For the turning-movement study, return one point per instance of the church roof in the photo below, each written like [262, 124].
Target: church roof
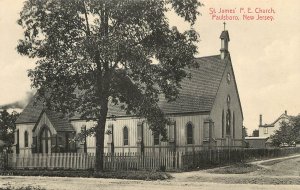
[31, 112]
[34, 110]
[59, 122]
[197, 94]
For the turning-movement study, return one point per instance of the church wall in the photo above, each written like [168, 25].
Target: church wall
[132, 124]
[22, 128]
[181, 122]
[221, 105]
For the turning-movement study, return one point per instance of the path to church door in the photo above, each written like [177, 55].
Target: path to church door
[45, 141]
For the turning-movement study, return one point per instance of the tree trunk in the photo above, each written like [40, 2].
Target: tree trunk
[103, 85]
[100, 131]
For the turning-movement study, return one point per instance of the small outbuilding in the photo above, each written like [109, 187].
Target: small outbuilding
[257, 142]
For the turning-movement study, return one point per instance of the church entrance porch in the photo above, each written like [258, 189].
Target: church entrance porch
[45, 140]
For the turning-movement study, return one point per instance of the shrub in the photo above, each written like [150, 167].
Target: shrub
[137, 175]
[9, 187]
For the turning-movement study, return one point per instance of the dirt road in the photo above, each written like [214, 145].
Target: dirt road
[277, 175]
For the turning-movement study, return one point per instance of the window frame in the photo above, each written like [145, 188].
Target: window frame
[223, 124]
[228, 122]
[189, 133]
[156, 139]
[125, 136]
[26, 138]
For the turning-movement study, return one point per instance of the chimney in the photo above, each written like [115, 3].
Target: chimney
[224, 43]
[260, 120]
[285, 112]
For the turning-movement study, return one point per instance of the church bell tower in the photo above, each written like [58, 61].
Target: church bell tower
[224, 43]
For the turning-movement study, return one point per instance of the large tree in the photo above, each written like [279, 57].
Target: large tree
[91, 53]
[288, 133]
[7, 126]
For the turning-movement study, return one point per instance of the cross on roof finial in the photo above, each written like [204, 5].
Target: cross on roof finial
[224, 25]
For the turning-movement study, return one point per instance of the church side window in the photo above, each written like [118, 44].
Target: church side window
[266, 130]
[125, 135]
[189, 132]
[18, 144]
[233, 125]
[223, 126]
[156, 138]
[228, 122]
[26, 139]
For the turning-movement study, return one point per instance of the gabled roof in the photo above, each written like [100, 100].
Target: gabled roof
[31, 112]
[34, 111]
[282, 116]
[197, 94]
[59, 121]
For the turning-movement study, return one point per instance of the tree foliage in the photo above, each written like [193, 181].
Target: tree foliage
[7, 126]
[93, 53]
[288, 133]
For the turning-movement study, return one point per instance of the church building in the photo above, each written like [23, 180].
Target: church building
[207, 114]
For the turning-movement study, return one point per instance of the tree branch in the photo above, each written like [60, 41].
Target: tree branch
[86, 19]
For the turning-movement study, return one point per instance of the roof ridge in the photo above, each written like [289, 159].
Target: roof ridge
[207, 56]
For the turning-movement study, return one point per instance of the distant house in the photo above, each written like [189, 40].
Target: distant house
[261, 137]
[208, 112]
[266, 130]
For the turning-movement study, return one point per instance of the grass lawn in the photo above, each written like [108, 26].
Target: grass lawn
[9, 187]
[239, 168]
[134, 175]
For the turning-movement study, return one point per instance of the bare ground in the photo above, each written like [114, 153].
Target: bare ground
[277, 174]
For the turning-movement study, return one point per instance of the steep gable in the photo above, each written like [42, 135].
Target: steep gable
[282, 117]
[227, 102]
[34, 111]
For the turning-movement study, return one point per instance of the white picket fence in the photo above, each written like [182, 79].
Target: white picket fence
[148, 161]
[52, 161]
[113, 162]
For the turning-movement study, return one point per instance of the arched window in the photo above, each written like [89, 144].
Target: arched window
[228, 100]
[228, 122]
[189, 134]
[45, 140]
[18, 143]
[156, 138]
[233, 125]
[125, 136]
[26, 139]
[223, 126]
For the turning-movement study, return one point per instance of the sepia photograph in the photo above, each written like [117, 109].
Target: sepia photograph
[149, 94]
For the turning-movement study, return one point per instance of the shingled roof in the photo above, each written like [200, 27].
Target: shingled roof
[59, 122]
[197, 94]
[33, 111]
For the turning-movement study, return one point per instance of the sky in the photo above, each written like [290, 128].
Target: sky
[265, 54]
